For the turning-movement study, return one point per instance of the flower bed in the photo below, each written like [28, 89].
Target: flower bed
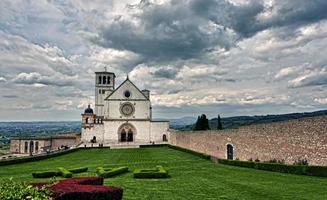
[83, 188]
[158, 172]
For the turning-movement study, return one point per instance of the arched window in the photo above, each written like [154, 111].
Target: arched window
[87, 120]
[230, 152]
[108, 80]
[104, 80]
[100, 81]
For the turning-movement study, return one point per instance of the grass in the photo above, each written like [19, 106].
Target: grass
[191, 177]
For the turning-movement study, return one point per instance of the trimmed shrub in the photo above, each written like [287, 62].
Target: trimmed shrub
[278, 167]
[158, 172]
[84, 188]
[36, 157]
[316, 171]
[47, 174]
[202, 155]
[110, 172]
[78, 170]
[247, 164]
[275, 167]
[65, 173]
[152, 145]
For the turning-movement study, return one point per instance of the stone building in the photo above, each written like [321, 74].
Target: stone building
[123, 115]
[36, 145]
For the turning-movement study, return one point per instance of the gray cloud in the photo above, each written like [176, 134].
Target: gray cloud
[188, 29]
[167, 72]
[249, 57]
[36, 78]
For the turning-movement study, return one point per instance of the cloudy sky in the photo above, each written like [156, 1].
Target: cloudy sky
[234, 57]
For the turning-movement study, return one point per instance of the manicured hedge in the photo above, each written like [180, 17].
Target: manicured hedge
[277, 167]
[152, 145]
[158, 172]
[247, 164]
[316, 171]
[110, 172]
[36, 157]
[202, 155]
[47, 174]
[78, 170]
[65, 173]
[83, 188]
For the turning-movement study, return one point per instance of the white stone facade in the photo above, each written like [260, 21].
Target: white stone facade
[124, 113]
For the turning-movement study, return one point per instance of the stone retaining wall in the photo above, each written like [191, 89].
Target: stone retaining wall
[289, 141]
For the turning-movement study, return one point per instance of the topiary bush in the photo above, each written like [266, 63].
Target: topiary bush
[110, 172]
[158, 172]
[78, 170]
[65, 173]
[47, 174]
[84, 188]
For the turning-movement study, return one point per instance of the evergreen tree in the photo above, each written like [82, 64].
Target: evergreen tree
[219, 125]
[202, 123]
[197, 124]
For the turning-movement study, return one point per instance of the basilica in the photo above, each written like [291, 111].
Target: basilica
[122, 115]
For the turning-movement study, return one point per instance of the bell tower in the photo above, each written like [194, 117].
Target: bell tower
[104, 85]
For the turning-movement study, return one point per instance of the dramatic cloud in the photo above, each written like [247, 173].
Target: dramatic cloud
[234, 57]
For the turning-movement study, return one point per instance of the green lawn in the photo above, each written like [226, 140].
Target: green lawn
[191, 176]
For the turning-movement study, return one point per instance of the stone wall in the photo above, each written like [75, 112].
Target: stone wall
[289, 141]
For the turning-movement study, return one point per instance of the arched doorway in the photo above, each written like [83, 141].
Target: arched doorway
[126, 133]
[164, 138]
[31, 147]
[230, 152]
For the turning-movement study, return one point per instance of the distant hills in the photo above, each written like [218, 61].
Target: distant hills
[235, 122]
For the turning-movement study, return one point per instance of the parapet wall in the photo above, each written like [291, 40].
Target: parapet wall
[289, 141]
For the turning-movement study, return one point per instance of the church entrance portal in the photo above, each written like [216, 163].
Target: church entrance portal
[126, 133]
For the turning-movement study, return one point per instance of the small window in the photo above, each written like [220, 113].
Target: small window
[104, 80]
[87, 120]
[100, 80]
[103, 91]
[127, 94]
[108, 80]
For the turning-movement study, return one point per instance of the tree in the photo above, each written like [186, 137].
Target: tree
[219, 125]
[202, 123]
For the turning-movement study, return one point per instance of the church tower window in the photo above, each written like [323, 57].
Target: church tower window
[100, 81]
[104, 80]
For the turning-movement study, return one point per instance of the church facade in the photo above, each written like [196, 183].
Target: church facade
[122, 115]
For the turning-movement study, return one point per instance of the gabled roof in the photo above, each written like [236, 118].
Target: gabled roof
[123, 83]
